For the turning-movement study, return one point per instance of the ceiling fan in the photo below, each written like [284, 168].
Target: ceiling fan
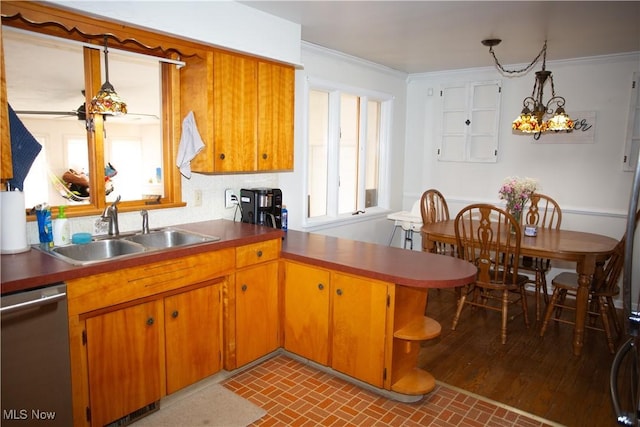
[81, 113]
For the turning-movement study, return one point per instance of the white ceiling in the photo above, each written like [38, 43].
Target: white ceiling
[423, 36]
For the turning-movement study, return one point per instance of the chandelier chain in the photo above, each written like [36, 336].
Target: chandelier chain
[523, 70]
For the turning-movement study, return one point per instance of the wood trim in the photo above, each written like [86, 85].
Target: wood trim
[6, 165]
[61, 22]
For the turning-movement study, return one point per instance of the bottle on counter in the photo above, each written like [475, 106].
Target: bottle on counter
[45, 231]
[61, 230]
[285, 218]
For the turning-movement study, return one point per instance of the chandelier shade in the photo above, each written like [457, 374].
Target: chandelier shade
[537, 115]
[107, 101]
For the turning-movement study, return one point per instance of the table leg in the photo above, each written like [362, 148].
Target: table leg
[585, 269]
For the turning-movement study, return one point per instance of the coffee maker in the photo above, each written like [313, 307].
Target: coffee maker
[262, 206]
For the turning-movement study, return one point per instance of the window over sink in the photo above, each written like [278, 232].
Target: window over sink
[51, 74]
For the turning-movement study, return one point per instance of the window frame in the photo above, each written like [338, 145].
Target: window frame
[632, 141]
[386, 122]
[69, 25]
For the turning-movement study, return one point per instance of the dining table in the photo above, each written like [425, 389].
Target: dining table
[588, 250]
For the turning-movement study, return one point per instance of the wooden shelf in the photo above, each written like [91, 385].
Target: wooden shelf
[415, 382]
[421, 329]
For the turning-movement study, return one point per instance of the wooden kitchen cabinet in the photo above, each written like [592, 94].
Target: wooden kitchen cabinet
[306, 311]
[112, 352]
[243, 108]
[339, 320]
[256, 312]
[193, 335]
[359, 327]
[255, 328]
[125, 361]
[276, 84]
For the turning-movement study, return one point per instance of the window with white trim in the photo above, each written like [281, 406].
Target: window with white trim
[347, 136]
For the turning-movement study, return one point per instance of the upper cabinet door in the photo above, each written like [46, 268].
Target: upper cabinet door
[244, 112]
[275, 116]
[469, 122]
[235, 104]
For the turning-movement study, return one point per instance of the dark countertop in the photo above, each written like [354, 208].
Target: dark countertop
[390, 264]
[35, 268]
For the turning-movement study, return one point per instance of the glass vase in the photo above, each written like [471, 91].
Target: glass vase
[516, 215]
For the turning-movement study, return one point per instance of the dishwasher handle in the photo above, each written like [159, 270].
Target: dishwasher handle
[45, 300]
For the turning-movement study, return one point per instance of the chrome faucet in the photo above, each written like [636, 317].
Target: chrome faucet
[145, 221]
[110, 214]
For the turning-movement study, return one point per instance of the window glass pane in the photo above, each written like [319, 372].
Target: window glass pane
[45, 80]
[133, 142]
[348, 153]
[372, 154]
[34, 192]
[45, 84]
[318, 152]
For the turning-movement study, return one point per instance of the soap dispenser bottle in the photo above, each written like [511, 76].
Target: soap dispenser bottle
[61, 230]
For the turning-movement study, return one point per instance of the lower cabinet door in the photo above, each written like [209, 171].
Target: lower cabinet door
[306, 312]
[193, 336]
[359, 325]
[256, 312]
[124, 361]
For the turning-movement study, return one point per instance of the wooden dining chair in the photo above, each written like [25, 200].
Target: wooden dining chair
[485, 238]
[544, 212]
[434, 208]
[601, 293]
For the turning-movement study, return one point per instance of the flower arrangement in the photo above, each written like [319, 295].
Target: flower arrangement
[516, 191]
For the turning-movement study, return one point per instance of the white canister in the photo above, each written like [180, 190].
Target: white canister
[13, 221]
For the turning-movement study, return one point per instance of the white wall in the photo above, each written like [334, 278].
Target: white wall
[587, 180]
[221, 23]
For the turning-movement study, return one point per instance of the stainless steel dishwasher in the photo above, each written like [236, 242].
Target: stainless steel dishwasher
[36, 371]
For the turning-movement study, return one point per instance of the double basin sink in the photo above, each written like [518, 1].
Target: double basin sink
[116, 247]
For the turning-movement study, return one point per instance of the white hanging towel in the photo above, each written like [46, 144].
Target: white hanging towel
[190, 145]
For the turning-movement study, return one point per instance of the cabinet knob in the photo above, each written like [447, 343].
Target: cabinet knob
[259, 253]
[339, 291]
[222, 156]
[150, 321]
[244, 288]
[174, 314]
[320, 286]
[264, 156]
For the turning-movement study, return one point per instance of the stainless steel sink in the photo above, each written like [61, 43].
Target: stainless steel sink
[170, 238]
[107, 248]
[96, 251]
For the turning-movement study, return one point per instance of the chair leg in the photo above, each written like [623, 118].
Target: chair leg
[549, 312]
[605, 322]
[505, 307]
[461, 301]
[614, 316]
[524, 306]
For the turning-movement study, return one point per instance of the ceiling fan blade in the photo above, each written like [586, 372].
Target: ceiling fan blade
[48, 113]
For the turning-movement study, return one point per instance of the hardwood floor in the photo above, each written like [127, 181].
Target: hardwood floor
[536, 374]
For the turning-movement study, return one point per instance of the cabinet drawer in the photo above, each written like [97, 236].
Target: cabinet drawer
[103, 290]
[257, 252]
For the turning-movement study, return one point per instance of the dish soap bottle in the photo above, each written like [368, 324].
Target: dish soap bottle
[61, 230]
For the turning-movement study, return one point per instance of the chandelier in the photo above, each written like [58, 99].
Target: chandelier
[107, 100]
[537, 116]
